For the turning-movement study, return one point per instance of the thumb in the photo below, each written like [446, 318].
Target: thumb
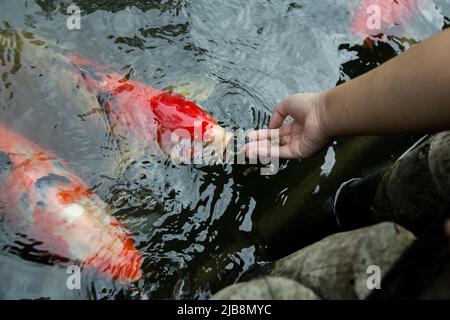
[279, 114]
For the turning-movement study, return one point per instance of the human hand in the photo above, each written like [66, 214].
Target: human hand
[301, 138]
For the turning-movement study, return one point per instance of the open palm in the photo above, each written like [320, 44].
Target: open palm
[301, 138]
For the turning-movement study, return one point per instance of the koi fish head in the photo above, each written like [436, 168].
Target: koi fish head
[176, 115]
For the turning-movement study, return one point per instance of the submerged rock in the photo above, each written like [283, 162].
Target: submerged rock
[411, 192]
[267, 288]
[337, 266]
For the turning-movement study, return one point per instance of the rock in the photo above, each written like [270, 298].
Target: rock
[423, 271]
[336, 267]
[411, 192]
[267, 288]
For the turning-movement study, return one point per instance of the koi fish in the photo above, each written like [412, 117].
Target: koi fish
[145, 113]
[374, 18]
[40, 195]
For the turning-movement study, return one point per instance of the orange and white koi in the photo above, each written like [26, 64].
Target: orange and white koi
[54, 207]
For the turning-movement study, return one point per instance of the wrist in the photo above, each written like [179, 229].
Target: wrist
[322, 114]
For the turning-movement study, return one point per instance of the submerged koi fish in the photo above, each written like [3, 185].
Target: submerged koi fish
[147, 114]
[56, 208]
[374, 18]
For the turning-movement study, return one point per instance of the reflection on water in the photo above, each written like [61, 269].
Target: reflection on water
[196, 226]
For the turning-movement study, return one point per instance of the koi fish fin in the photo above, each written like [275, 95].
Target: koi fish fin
[10, 50]
[193, 90]
[88, 63]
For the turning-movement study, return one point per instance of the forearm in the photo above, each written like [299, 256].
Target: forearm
[410, 93]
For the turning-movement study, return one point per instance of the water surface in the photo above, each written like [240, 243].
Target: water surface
[194, 225]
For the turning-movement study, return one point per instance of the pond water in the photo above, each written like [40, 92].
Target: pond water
[198, 228]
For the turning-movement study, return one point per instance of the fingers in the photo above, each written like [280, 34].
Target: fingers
[279, 114]
[265, 149]
[267, 134]
[258, 149]
[262, 134]
[270, 143]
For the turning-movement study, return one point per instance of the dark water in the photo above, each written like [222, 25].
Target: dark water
[198, 228]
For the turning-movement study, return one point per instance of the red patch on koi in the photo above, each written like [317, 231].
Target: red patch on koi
[127, 87]
[174, 112]
[68, 196]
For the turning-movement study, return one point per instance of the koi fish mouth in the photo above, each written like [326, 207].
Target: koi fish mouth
[217, 138]
[209, 149]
